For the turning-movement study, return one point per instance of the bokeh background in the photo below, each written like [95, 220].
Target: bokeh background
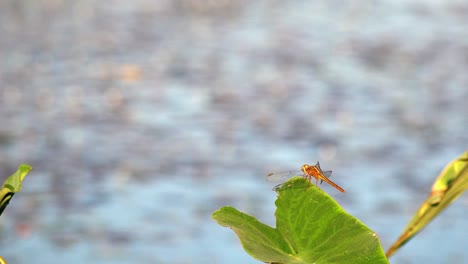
[142, 117]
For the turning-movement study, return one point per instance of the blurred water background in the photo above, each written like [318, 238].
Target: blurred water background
[142, 117]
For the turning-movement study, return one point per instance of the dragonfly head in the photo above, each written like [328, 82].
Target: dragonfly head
[305, 168]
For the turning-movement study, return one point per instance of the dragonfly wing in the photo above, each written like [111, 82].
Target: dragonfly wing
[282, 176]
[318, 166]
[326, 174]
[274, 188]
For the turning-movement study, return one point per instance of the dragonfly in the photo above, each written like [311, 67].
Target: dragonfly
[307, 171]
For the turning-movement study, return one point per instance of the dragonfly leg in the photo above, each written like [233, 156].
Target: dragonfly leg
[307, 177]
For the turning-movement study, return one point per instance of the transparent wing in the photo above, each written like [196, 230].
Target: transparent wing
[326, 174]
[282, 176]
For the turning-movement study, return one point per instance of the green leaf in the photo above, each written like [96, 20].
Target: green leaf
[12, 185]
[450, 184]
[259, 240]
[311, 228]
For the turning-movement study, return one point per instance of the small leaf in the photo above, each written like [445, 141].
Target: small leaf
[311, 228]
[12, 185]
[450, 184]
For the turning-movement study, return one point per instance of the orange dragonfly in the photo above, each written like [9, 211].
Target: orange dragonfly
[307, 172]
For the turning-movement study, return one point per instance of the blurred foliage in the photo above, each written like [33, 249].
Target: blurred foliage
[450, 184]
[12, 185]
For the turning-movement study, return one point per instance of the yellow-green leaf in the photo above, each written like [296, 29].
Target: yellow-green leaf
[12, 185]
[450, 184]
